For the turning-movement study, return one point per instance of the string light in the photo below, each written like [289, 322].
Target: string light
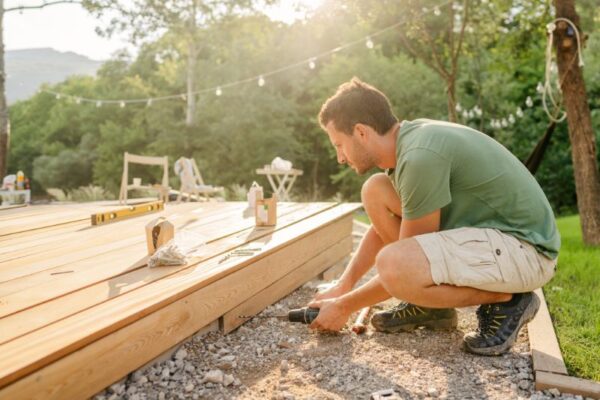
[78, 100]
[458, 108]
[519, 112]
[260, 79]
[540, 87]
[98, 104]
[529, 102]
[437, 12]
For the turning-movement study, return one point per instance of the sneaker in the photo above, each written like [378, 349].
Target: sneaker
[405, 317]
[499, 324]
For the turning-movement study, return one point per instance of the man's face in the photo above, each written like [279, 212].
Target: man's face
[350, 149]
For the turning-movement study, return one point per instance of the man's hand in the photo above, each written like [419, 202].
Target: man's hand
[333, 315]
[337, 290]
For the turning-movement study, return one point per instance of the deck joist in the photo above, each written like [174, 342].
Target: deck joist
[80, 309]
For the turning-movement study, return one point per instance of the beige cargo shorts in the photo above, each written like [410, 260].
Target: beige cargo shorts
[486, 259]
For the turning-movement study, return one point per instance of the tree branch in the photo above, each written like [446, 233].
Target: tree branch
[440, 65]
[420, 55]
[45, 4]
[461, 36]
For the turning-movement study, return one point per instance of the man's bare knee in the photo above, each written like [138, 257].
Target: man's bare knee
[403, 268]
[374, 187]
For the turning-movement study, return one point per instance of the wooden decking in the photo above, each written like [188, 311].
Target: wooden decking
[79, 308]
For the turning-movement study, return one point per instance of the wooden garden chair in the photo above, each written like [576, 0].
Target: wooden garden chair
[191, 180]
[162, 189]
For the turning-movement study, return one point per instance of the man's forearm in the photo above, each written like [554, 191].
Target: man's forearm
[363, 259]
[369, 294]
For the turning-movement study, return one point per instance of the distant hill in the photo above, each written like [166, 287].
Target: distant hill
[28, 69]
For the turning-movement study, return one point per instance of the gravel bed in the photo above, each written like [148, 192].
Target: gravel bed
[272, 359]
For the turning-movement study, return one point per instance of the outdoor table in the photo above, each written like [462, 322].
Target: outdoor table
[281, 180]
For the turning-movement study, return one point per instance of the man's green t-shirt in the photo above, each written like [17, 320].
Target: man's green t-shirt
[474, 180]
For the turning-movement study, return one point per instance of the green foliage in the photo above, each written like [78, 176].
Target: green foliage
[81, 194]
[64, 144]
[574, 308]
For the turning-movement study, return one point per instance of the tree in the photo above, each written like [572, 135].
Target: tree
[583, 145]
[183, 18]
[4, 118]
[430, 32]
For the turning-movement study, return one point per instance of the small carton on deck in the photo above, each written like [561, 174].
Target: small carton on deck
[266, 212]
[158, 232]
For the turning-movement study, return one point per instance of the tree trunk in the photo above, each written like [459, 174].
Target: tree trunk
[190, 112]
[583, 144]
[451, 98]
[4, 125]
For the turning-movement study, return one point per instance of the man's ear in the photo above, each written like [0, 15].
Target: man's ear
[362, 131]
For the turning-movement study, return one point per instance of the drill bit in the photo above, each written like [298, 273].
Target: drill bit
[283, 317]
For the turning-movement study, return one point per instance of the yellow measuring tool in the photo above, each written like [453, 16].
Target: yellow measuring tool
[127, 212]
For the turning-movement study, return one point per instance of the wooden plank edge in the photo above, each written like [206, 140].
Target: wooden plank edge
[286, 285]
[2, 208]
[567, 384]
[545, 350]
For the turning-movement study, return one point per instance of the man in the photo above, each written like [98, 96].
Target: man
[457, 221]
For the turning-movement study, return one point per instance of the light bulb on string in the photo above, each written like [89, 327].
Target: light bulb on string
[149, 103]
[529, 102]
[122, 104]
[504, 123]
[183, 97]
[369, 43]
[261, 81]
[312, 64]
[519, 112]
[57, 96]
[511, 119]
[465, 114]
[218, 92]
[540, 88]
[478, 111]
[98, 104]
[458, 108]
[77, 100]
[436, 11]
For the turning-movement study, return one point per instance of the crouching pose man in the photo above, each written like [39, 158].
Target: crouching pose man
[457, 221]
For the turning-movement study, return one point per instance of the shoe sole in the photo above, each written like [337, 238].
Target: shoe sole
[500, 349]
[440, 324]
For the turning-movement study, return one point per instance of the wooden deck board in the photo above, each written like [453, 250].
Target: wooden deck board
[40, 333]
[89, 271]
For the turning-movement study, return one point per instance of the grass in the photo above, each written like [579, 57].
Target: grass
[573, 297]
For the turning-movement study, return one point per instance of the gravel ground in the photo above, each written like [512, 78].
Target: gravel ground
[272, 359]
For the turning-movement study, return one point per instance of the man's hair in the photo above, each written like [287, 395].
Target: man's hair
[356, 102]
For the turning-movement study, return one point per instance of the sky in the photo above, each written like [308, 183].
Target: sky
[68, 27]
